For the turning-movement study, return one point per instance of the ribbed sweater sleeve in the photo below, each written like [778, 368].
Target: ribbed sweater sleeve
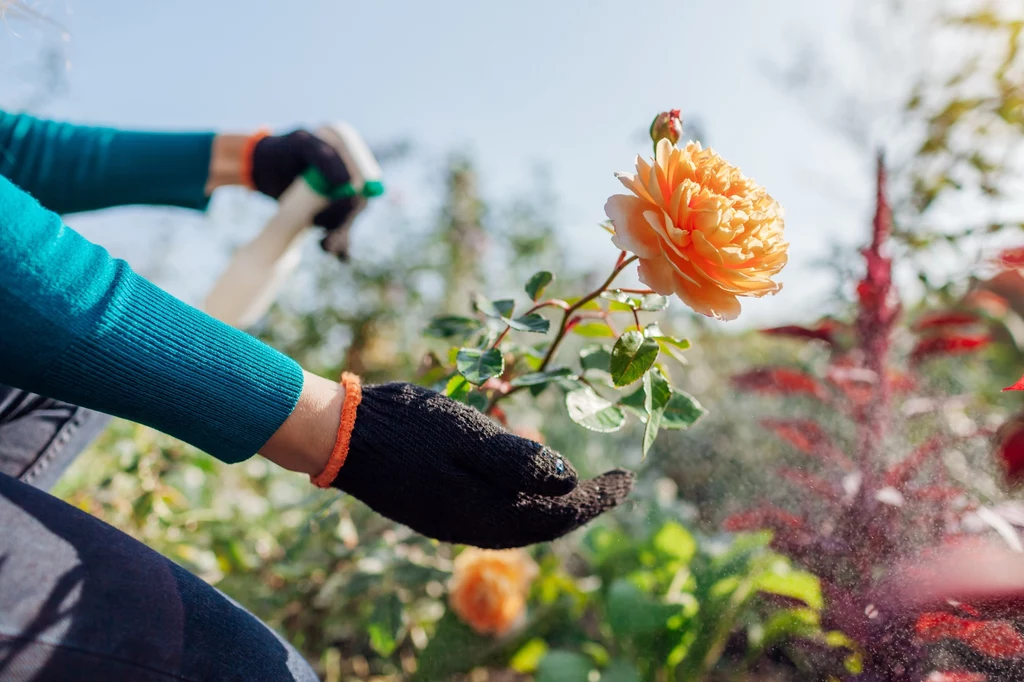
[71, 168]
[80, 326]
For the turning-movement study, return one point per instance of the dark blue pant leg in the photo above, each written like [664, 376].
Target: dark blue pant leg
[80, 600]
[40, 437]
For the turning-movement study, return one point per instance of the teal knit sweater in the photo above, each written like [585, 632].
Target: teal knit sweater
[82, 327]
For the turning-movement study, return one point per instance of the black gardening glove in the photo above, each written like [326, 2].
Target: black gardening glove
[450, 473]
[278, 159]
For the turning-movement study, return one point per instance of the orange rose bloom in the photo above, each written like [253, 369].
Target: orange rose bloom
[488, 588]
[702, 230]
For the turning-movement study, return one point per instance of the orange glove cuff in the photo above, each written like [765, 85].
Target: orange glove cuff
[247, 151]
[353, 396]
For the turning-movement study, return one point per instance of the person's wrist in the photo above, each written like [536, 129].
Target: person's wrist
[304, 442]
[226, 161]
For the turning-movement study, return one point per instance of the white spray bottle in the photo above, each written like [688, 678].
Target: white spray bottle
[248, 286]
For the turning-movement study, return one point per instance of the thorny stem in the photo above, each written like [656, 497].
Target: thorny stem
[620, 265]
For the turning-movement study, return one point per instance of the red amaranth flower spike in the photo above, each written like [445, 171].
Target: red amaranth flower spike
[1019, 386]
[1010, 449]
[996, 638]
[763, 517]
[779, 380]
[807, 436]
[814, 484]
[949, 344]
[825, 330]
[946, 318]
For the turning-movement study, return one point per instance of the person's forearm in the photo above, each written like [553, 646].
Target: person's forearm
[306, 438]
[226, 161]
[71, 168]
[81, 327]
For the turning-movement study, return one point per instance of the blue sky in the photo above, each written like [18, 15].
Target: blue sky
[568, 84]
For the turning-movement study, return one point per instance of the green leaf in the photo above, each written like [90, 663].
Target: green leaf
[788, 624]
[538, 283]
[592, 304]
[617, 295]
[675, 541]
[477, 400]
[541, 378]
[620, 670]
[631, 612]
[479, 365]
[457, 388]
[563, 666]
[674, 347]
[657, 394]
[529, 656]
[653, 331]
[595, 356]
[669, 344]
[496, 309]
[631, 357]
[593, 412]
[653, 302]
[682, 411]
[454, 648]
[598, 654]
[593, 330]
[792, 583]
[451, 326]
[529, 323]
[635, 402]
[384, 625]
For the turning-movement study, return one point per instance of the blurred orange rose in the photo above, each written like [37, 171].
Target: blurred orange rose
[702, 230]
[488, 588]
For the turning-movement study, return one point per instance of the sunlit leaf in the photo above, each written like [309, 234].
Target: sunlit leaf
[620, 670]
[385, 624]
[657, 394]
[538, 283]
[595, 357]
[529, 656]
[529, 323]
[458, 388]
[653, 302]
[632, 355]
[592, 304]
[591, 411]
[793, 584]
[593, 330]
[479, 365]
[675, 541]
[541, 378]
[653, 331]
[452, 326]
[563, 666]
[632, 613]
[682, 411]
[616, 295]
[477, 400]
[495, 309]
